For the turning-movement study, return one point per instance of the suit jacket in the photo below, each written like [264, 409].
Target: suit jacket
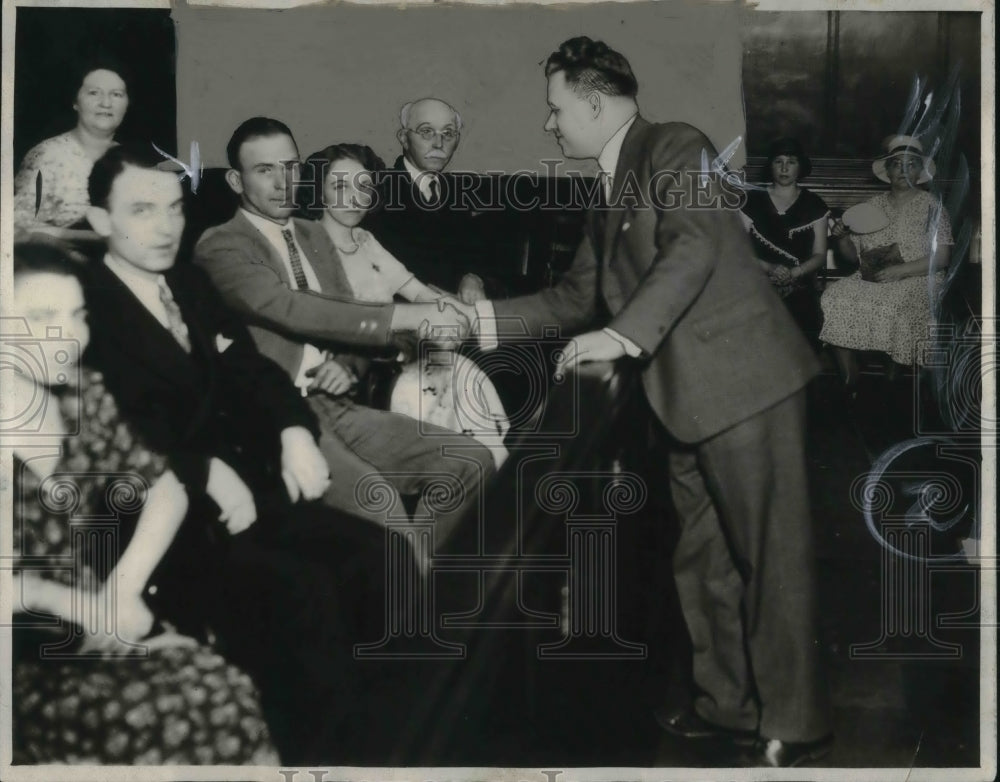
[223, 399]
[253, 281]
[440, 243]
[680, 281]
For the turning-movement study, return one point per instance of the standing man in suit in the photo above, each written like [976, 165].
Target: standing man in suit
[422, 219]
[280, 580]
[665, 278]
[282, 276]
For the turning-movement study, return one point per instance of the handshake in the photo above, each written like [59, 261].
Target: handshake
[445, 322]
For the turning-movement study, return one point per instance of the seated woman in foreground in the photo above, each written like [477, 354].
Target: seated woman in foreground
[902, 242]
[443, 387]
[90, 684]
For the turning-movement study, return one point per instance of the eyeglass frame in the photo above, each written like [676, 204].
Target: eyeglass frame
[428, 134]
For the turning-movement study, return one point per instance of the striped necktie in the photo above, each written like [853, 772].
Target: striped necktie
[301, 283]
[175, 322]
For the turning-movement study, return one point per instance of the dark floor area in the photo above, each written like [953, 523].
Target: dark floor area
[904, 672]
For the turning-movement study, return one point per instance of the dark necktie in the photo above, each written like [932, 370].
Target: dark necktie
[298, 272]
[175, 322]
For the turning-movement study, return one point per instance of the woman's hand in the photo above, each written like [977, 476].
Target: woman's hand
[893, 273]
[780, 275]
[130, 620]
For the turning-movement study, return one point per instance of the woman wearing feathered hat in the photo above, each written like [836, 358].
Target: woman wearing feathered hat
[898, 238]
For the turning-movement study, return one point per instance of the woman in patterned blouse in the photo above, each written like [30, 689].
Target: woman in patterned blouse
[90, 682]
[50, 190]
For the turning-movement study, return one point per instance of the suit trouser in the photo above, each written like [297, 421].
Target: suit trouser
[412, 458]
[745, 571]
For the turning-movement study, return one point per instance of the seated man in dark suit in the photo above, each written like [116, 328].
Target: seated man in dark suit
[424, 218]
[281, 275]
[240, 438]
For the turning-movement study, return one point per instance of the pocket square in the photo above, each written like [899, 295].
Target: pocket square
[222, 343]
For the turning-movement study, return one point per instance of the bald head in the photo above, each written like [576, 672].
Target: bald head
[429, 133]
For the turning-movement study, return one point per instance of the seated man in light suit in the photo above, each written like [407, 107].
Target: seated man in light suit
[282, 276]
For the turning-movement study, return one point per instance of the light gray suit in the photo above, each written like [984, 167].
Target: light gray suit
[357, 441]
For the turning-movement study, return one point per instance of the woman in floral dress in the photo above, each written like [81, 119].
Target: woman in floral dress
[887, 305]
[96, 679]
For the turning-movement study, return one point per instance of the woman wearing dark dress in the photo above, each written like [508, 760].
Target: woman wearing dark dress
[788, 227]
[93, 682]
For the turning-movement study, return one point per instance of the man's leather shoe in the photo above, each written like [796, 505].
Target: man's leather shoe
[688, 724]
[784, 754]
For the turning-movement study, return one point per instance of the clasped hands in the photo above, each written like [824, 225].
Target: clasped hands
[588, 347]
[446, 322]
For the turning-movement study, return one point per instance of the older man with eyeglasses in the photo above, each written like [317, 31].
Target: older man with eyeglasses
[425, 218]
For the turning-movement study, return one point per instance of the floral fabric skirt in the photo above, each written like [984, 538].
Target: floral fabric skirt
[181, 705]
[891, 317]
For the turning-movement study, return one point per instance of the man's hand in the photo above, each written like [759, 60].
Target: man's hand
[467, 310]
[471, 289]
[446, 327]
[231, 494]
[303, 466]
[332, 377]
[592, 346]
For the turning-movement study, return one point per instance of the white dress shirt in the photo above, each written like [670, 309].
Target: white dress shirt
[422, 179]
[312, 356]
[608, 162]
[144, 287]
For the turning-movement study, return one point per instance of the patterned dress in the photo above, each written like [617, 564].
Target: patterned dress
[890, 317]
[786, 238]
[52, 176]
[179, 705]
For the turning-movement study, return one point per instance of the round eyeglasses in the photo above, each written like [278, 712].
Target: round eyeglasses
[428, 134]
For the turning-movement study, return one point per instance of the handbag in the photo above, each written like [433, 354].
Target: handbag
[878, 258]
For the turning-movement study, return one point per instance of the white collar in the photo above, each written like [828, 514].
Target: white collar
[269, 228]
[145, 288]
[422, 179]
[424, 176]
[608, 159]
[132, 278]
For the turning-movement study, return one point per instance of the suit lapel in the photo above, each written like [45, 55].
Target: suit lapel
[267, 252]
[628, 163]
[141, 336]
